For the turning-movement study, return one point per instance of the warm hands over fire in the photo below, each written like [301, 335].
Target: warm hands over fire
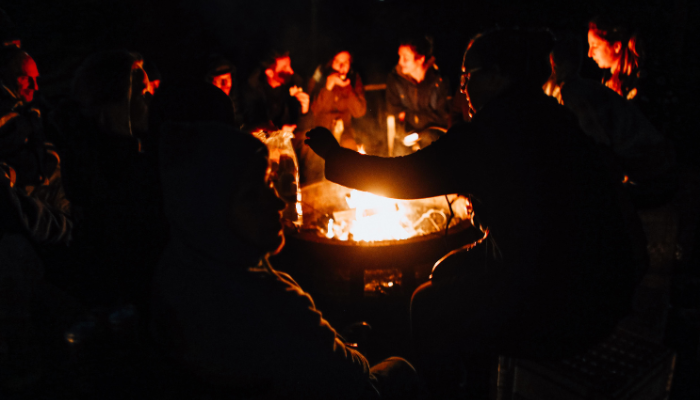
[321, 141]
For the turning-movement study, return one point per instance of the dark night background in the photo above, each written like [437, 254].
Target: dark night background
[176, 34]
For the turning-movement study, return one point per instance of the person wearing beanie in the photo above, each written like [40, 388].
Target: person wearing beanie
[220, 311]
[221, 73]
[562, 250]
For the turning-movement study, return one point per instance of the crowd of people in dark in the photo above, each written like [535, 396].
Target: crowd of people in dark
[133, 201]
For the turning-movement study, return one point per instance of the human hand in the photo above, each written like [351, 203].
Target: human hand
[321, 141]
[288, 128]
[302, 97]
[336, 79]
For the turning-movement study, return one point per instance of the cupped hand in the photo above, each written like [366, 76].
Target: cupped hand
[303, 99]
[336, 79]
[321, 141]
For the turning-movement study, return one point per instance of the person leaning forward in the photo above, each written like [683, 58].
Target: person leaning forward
[559, 265]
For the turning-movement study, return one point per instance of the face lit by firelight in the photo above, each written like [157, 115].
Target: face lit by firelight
[223, 82]
[604, 53]
[281, 73]
[25, 82]
[341, 63]
[409, 61]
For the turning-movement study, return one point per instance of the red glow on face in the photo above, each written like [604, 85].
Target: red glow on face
[341, 63]
[409, 62]
[223, 82]
[604, 53]
[26, 81]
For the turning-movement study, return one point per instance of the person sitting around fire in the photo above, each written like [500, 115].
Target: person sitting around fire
[337, 96]
[34, 220]
[416, 93]
[561, 252]
[615, 48]
[643, 158]
[112, 186]
[219, 309]
[274, 98]
[221, 73]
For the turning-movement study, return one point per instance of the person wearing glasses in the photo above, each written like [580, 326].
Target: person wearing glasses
[561, 252]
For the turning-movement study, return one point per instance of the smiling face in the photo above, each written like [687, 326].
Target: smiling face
[257, 210]
[341, 63]
[604, 53]
[280, 73]
[25, 80]
[409, 61]
[223, 82]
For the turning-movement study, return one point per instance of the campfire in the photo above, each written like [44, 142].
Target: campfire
[338, 213]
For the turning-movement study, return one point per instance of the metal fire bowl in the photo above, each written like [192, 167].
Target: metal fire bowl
[382, 254]
[336, 266]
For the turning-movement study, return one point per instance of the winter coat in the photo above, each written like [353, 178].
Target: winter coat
[425, 103]
[264, 105]
[641, 152]
[344, 103]
[32, 196]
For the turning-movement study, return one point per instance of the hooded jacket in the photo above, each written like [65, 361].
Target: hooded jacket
[219, 309]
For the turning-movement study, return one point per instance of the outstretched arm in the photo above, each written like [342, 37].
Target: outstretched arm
[426, 173]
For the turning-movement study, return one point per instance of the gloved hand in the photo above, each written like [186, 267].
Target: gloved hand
[321, 141]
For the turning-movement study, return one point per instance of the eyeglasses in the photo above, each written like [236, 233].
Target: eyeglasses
[464, 79]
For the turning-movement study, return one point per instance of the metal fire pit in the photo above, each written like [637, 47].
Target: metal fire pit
[361, 269]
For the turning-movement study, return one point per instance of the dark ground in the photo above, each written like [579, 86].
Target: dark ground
[59, 34]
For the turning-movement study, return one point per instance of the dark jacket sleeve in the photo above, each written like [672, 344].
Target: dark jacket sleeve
[44, 222]
[394, 105]
[429, 172]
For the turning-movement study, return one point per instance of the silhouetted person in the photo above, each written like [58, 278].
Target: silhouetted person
[113, 189]
[220, 310]
[558, 264]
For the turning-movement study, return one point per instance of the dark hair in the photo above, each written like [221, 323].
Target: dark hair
[421, 45]
[630, 52]
[327, 70]
[103, 78]
[567, 54]
[271, 58]
[521, 55]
